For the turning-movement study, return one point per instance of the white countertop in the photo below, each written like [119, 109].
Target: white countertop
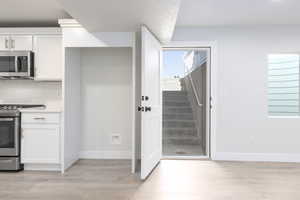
[49, 107]
[40, 110]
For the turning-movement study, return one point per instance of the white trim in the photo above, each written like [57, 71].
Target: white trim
[213, 87]
[69, 164]
[258, 157]
[62, 119]
[31, 31]
[185, 158]
[69, 23]
[42, 167]
[40, 161]
[133, 104]
[105, 154]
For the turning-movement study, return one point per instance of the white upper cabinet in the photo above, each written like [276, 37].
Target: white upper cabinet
[21, 42]
[46, 43]
[16, 42]
[48, 57]
[4, 42]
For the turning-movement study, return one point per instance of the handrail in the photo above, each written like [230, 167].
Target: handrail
[188, 73]
[194, 90]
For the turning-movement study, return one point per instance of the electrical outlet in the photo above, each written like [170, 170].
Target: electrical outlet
[115, 139]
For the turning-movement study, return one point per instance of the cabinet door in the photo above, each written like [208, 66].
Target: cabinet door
[48, 57]
[21, 42]
[40, 144]
[4, 42]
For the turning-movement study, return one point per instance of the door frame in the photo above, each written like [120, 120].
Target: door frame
[211, 88]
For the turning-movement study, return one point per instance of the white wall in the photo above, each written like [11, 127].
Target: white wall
[72, 107]
[170, 84]
[244, 130]
[28, 91]
[106, 99]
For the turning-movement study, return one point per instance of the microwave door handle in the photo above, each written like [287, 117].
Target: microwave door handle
[6, 119]
[16, 64]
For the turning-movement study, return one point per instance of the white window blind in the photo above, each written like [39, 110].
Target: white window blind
[283, 84]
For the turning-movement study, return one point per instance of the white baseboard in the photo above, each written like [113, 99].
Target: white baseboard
[105, 154]
[259, 157]
[70, 163]
[42, 167]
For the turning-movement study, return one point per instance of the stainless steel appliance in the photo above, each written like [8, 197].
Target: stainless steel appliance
[10, 136]
[10, 120]
[17, 64]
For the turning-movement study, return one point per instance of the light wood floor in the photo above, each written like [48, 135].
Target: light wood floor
[172, 180]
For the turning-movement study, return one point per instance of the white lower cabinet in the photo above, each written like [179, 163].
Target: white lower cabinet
[40, 143]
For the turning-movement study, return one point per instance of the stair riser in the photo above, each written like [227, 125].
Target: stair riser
[182, 141]
[175, 98]
[177, 110]
[179, 133]
[179, 127]
[167, 117]
[177, 104]
[175, 93]
[179, 124]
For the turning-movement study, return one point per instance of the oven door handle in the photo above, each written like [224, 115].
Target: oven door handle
[6, 119]
[6, 161]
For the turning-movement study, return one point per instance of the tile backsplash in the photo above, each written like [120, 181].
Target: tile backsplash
[28, 91]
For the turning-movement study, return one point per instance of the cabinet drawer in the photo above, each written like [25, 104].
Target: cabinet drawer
[41, 118]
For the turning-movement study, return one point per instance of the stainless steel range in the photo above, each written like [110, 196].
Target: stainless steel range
[10, 136]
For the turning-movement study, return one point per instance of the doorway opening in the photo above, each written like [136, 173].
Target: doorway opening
[185, 84]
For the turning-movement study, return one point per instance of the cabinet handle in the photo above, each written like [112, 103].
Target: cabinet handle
[39, 118]
[6, 161]
[6, 43]
[12, 44]
[6, 119]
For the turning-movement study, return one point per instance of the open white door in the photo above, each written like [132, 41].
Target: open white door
[151, 104]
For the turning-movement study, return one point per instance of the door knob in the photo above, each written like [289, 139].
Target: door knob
[141, 108]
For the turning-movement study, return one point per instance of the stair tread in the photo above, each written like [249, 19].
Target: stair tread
[174, 91]
[182, 141]
[192, 137]
[179, 124]
[180, 128]
[179, 120]
[174, 107]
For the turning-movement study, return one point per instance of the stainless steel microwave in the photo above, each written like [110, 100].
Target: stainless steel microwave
[17, 64]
